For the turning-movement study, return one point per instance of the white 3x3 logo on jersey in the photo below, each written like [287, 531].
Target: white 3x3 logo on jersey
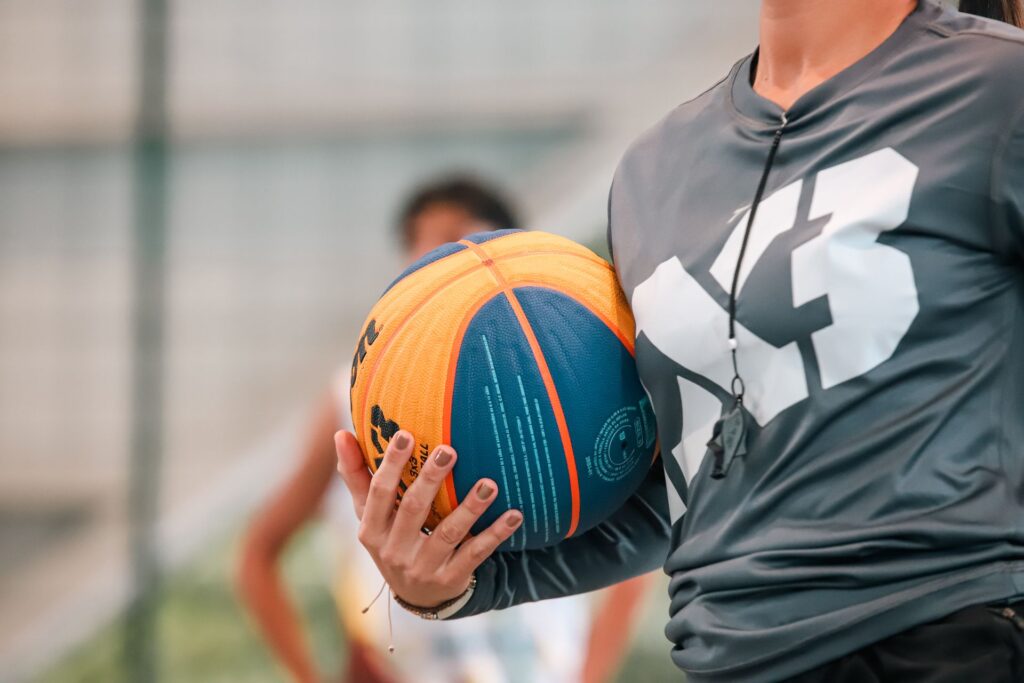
[870, 287]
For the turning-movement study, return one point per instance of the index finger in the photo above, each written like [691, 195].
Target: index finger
[352, 468]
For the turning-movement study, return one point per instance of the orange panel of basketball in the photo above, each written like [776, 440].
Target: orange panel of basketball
[515, 348]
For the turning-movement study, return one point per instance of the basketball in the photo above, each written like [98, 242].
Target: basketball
[516, 348]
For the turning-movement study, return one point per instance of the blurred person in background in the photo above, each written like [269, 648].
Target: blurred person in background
[552, 642]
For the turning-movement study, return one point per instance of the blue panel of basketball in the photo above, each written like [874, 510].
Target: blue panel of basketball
[501, 414]
[613, 437]
[481, 237]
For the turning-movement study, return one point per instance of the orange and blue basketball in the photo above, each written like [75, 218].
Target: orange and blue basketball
[517, 349]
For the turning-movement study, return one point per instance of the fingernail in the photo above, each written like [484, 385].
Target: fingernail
[484, 492]
[515, 519]
[442, 456]
[402, 441]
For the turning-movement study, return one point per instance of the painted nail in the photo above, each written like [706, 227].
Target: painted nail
[402, 441]
[443, 457]
[484, 492]
[515, 519]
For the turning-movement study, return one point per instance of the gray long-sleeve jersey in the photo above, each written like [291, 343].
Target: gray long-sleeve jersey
[880, 325]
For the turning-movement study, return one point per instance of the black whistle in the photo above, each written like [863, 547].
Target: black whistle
[728, 440]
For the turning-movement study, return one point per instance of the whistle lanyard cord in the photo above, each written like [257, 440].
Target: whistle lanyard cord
[391, 630]
[738, 387]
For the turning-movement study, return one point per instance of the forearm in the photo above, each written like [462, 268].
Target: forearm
[612, 629]
[267, 600]
[633, 541]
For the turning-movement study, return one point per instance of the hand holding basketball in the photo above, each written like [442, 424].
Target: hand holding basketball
[424, 570]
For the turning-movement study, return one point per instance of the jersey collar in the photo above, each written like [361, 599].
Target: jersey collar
[766, 115]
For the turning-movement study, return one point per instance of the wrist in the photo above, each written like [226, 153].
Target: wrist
[446, 609]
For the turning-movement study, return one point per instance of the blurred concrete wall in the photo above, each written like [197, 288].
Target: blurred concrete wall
[67, 67]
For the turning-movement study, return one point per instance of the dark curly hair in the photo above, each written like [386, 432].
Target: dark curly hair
[474, 196]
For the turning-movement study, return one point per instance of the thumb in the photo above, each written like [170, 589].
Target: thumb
[353, 469]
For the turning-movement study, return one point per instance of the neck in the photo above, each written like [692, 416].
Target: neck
[806, 42]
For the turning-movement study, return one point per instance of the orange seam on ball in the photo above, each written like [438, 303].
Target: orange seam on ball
[612, 327]
[394, 335]
[592, 258]
[549, 382]
[449, 387]
[596, 260]
[626, 341]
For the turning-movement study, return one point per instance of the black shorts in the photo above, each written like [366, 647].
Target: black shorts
[982, 644]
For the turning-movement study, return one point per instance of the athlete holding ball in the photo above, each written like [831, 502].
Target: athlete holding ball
[824, 255]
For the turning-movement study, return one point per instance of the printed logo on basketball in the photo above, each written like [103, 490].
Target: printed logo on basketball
[369, 336]
[382, 428]
[628, 434]
[381, 431]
